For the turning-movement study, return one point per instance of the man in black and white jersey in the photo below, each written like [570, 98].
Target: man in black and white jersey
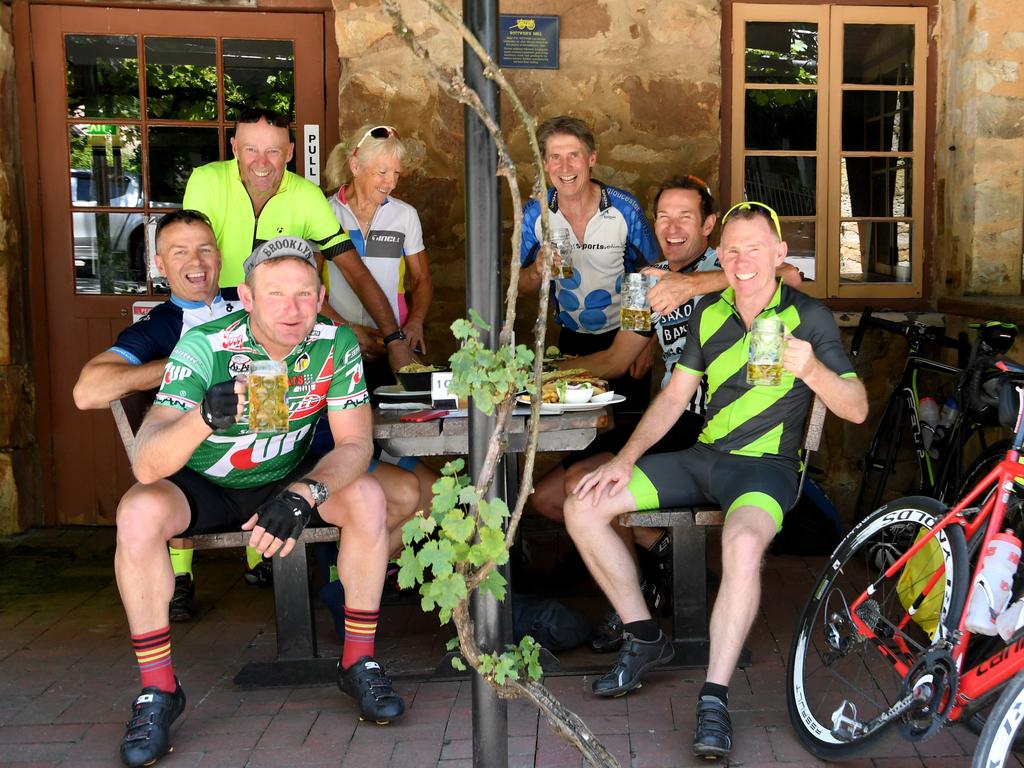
[187, 255]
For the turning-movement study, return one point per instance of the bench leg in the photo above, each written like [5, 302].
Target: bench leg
[296, 635]
[689, 595]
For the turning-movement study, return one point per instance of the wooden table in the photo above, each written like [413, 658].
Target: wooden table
[450, 436]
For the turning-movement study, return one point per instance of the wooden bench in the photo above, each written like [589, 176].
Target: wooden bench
[296, 662]
[689, 556]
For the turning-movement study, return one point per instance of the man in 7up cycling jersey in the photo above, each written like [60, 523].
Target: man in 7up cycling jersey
[199, 469]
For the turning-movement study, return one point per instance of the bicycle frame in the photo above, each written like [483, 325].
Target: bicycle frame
[995, 490]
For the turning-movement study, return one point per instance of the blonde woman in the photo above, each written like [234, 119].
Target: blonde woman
[388, 236]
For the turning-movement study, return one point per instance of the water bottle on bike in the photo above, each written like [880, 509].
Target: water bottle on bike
[928, 410]
[950, 410]
[994, 583]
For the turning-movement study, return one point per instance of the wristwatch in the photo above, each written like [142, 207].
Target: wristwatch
[317, 489]
[398, 335]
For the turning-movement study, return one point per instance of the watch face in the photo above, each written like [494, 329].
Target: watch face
[318, 491]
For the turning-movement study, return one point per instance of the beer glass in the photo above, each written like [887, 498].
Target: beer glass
[634, 311]
[764, 364]
[268, 396]
[562, 243]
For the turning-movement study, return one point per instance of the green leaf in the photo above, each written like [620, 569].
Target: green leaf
[438, 556]
[417, 528]
[410, 570]
[478, 321]
[492, 513]
[505, 668]
[492, 542]
[446, 495]
[457, 526]
[453, 467]
[494, 583]
[452, 644]
[469, 496]
[458, 664]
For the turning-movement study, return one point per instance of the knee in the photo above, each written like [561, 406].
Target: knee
[579, 516]
[742, 549]
[361, 506]
[404, 495]
[548, 498]
[142, 517]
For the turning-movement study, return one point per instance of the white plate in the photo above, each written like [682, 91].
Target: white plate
[550, 409]
[396, 392]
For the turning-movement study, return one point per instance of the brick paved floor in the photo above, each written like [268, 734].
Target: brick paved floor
[67, 677]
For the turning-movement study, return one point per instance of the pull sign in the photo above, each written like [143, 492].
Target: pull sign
[311, 152]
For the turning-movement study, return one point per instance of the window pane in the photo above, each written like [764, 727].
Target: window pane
[878, 121]
[105, 166]
[781, 119]
[259, 73]
[110, 253]
[799, 236]
[782, 52]
[876, 186]
[173, 153]
[102, 75]
[787, 184]
[181, 78]
[875, 252]
[878, 54]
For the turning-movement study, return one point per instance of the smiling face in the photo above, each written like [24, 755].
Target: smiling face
[375, 177]
[750, 252]
[187, 255]
[263, 152]
[567, 162]
[681, 234]
[282, 298]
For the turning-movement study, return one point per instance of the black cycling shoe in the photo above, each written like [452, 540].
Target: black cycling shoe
[148, 736]
[183, 606]
[608, 634]
[712, 738]
[365, 682]
[635, 657]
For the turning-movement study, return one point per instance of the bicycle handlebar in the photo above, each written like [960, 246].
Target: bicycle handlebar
[910, 329]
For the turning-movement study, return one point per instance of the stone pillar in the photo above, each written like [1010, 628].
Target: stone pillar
[979, 148]
[18, 457]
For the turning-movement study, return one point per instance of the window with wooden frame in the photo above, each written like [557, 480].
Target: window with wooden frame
[828, 127]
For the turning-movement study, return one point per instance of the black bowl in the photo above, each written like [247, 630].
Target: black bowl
[416, 382]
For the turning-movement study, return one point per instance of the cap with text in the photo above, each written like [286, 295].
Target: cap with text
[279, 248]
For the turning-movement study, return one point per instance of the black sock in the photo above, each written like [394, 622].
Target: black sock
[720, 692]
[662, 548]
[646, 629]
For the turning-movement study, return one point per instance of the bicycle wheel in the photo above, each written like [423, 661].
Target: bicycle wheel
[996, 742]
[831, 664]
[884, 456]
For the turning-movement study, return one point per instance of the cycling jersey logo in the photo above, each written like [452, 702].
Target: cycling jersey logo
[238, 364]
[248, 451]
[176, 373]
[301, 363]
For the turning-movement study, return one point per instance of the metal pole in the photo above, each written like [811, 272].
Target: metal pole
[483, 293]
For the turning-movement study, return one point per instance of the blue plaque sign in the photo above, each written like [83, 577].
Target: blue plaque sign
[527, 41]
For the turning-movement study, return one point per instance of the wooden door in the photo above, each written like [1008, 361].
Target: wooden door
[128, 103]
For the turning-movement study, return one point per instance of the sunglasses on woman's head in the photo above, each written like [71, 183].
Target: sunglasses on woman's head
[377, 132]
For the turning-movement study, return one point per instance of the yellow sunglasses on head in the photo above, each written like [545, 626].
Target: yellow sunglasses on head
[749, 205]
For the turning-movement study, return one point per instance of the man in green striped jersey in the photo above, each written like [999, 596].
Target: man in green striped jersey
[745, 459]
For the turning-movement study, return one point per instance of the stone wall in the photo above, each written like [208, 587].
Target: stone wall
[644, 73]
[979, 148]
[18, 457]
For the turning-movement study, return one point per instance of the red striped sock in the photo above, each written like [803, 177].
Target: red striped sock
[153, 651]
[360, 630]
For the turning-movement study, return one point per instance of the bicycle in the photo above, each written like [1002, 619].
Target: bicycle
[964, 439]
[881, 641]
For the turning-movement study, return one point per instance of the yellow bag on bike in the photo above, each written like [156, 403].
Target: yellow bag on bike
[918, 571]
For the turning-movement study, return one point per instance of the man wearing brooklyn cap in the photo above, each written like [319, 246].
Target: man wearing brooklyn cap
[200, 470]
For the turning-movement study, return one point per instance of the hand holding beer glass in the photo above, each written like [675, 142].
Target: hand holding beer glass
[268, 396]
[767, 344]
[562, 243]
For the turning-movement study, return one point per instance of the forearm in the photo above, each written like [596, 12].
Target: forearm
[846, 398]
[347, 461]
[530, 278]
[101, 382]
[604, 364]
[368, 290]
[662, 413]
[163, 447]
[422, 295]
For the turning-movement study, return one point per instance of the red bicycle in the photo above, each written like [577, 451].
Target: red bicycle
[881, 641]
